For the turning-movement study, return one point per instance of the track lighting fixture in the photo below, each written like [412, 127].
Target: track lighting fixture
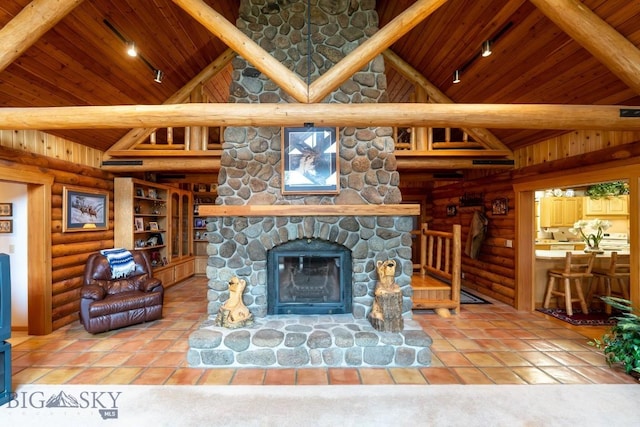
[131, 49]
[456, 76]
[486, 48]
[157, 76]
[484, 51]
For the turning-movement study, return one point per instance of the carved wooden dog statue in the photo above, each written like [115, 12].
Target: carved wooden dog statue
[386, 311]
[233, 313]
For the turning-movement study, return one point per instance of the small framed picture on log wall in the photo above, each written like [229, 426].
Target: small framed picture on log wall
[500, 206]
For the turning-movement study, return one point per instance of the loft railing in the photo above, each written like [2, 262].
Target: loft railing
[429, 139]
[211, 138]
[184, 138]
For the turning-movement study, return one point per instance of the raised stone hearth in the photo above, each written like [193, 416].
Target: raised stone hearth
[286, 341]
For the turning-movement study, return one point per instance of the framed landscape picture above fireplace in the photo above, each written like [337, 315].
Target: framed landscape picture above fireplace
[310, 160]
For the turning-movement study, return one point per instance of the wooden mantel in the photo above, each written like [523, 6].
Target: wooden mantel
[310, 210]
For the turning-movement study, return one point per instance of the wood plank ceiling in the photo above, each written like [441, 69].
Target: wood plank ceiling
[80, 61]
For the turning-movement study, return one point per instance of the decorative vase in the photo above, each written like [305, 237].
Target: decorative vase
[593, 249]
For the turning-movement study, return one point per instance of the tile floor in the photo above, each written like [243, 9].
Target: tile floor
[484, 344]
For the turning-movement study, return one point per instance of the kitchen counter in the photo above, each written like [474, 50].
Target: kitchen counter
[549, 244]
[560, 254]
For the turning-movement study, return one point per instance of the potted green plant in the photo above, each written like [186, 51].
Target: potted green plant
[607, 189]
[621, 344]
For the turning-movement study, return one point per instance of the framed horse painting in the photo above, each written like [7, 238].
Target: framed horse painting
[309, 161]
[84, 210]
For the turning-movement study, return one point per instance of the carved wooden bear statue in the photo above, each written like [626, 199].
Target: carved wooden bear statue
[233, 313]
[386, 312]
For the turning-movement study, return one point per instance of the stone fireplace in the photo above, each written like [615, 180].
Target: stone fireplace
[308, 42]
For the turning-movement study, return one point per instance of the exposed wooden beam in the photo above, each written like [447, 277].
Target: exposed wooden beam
[458, 152]
[416, 165]
[152, 164]
[136, 136]
[421, 163]
[594, 34]
[29, 25]
[246, 47]
[368, 50]
[504, 116]
[167, 153]
[484, 136]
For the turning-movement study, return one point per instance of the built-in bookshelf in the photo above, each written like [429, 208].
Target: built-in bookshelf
[155, 218]
[203, 195]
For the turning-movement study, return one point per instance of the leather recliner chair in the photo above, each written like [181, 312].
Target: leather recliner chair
[109, 303]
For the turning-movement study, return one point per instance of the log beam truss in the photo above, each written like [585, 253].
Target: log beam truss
[314, 93]
[573, 17]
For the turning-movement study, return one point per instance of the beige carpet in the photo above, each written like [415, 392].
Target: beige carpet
[281, 406]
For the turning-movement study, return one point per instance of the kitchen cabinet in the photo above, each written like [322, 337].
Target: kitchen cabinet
[613, 206]
[560, 211]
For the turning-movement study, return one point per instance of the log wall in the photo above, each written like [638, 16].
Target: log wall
[493, 272]
[69, 251]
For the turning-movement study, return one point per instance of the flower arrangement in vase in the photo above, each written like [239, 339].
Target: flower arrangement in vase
[591, 232]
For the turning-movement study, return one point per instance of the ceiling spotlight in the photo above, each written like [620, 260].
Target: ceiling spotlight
[456, 76]
[157, 76]
[486, 48]
[131, 49]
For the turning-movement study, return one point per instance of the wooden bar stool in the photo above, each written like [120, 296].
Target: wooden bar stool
[613, 280]
[576, 268]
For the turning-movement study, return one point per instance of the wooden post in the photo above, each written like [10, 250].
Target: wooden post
[195, 132]
[422, 138]
[169, 135]
[423, 249]
[456, 268]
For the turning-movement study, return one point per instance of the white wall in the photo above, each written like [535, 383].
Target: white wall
[15, 245]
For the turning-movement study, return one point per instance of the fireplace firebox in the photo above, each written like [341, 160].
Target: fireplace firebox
[309, 276]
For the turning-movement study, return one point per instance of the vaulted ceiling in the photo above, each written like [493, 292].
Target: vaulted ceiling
[81, 60]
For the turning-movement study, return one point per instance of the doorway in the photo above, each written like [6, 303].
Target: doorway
[525, 218]
[38, 245]
[558, 210]
[13, 242]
